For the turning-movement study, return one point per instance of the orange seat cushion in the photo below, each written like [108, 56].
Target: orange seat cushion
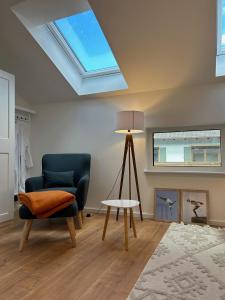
[44, 204]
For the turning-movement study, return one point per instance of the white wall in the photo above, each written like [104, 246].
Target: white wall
[22, 102]
[87, 126]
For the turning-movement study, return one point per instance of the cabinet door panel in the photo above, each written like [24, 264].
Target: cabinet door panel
[4, 108]
[7, 127]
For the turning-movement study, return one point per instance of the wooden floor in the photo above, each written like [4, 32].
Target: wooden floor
[49, 268]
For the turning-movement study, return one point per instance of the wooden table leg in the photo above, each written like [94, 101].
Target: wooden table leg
[125, 229]
[106, 222]
[132, 222]
[71, 227]
[25, 234]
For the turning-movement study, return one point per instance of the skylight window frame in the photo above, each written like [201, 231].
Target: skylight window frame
[220, 49]
[74, 59]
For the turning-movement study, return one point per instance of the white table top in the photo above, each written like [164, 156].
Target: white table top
[121, 203]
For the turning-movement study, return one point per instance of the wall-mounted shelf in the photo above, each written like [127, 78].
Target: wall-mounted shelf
[24, 109]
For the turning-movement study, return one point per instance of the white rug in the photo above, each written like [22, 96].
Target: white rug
[189, 263]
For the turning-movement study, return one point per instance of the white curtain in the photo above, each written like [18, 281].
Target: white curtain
[23, 159]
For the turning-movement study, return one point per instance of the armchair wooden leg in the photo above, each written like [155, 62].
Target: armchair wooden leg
[82, 216]
[29, 228]
[72, 231]
[79, 219]
[25, 233]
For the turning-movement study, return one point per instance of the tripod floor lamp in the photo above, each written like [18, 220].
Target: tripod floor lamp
[130, 122]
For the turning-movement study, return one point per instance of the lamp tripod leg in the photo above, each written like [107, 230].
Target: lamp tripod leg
[123, 170]
[136, 177]
[129, 173]
[129, 147]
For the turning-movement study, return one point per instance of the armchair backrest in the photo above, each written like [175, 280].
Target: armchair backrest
[79, 163]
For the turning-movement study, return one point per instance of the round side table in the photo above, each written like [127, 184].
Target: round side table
[125, 205]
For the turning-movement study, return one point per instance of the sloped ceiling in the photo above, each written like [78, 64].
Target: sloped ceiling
[159, 45]
[37, 79]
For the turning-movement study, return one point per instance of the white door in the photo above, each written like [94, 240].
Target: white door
[7, 125]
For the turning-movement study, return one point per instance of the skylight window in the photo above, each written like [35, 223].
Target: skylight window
[75, 44]
[84, 36]
[220, 57]
[221, 27]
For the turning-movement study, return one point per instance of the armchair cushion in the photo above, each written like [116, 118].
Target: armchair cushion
[58, 179]
[34, 183]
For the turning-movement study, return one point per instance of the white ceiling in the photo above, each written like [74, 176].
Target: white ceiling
[159, 45]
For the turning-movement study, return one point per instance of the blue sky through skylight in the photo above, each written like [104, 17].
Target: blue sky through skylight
[223, 25]
[84, 35]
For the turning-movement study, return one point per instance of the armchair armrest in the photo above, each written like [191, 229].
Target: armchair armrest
[82, 191]
[33, 184]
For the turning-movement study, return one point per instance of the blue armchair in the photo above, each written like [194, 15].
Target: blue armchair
[79, 163]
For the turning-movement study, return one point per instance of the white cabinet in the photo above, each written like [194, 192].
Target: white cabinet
[7, 128]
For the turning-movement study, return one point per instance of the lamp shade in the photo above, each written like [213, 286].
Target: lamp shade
[130, 122]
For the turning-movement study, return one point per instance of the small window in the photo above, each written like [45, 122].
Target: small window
[86, 41]
[199, 148]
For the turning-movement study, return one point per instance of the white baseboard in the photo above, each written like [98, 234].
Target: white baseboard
[145, 215]
[217, 223]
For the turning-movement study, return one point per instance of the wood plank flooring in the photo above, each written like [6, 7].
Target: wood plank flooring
[49, 268]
